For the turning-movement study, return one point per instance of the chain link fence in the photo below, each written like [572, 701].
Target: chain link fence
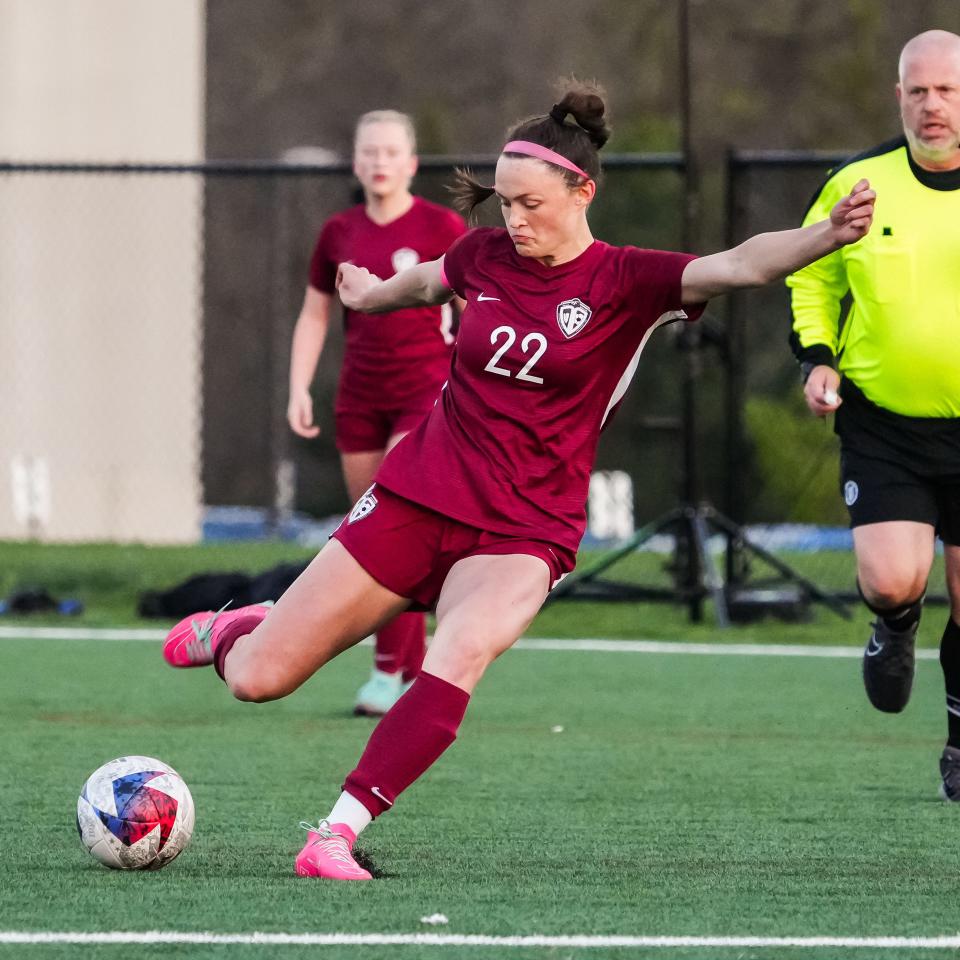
[100, 333]
[782, 464]
[145, 320]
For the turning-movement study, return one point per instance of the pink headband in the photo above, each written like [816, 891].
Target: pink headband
[544, 153]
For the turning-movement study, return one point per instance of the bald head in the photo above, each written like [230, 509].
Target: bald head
[929, 98]
[936, 44]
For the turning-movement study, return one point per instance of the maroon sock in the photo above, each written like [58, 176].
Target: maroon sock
[230, 634]
[407, 741]
[415, 647]
[395, 638]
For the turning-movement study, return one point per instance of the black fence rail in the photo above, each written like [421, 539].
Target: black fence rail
[339, 168]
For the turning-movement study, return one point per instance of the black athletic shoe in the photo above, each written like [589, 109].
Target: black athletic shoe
[888, 667]
[950, 774]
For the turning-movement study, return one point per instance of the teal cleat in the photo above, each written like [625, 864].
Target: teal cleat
[378, 694]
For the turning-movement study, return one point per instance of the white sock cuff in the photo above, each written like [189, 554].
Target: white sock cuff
[349, 810]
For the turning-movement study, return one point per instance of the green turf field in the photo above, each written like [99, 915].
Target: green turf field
[686, 795]
[108, 578]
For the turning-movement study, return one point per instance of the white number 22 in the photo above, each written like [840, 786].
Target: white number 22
[510, 337]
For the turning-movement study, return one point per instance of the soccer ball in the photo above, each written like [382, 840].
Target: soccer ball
[135, 813]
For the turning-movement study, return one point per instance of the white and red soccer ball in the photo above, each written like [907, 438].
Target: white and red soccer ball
[135, 813]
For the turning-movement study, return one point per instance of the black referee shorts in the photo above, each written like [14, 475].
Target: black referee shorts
[876, 490]
[894, 467]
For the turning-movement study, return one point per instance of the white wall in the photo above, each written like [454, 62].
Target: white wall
[100, 324]
[101, 79]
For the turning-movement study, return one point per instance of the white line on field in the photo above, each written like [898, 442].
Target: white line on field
[703, 649]
[474, 940]
[80, 633]
[595, 645]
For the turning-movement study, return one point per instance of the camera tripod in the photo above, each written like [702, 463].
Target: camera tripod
[696, 574]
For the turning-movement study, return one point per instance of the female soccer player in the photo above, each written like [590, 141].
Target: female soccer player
[481, 507]
[392, 371]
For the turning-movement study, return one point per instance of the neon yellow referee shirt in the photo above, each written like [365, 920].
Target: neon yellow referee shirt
[900, 343]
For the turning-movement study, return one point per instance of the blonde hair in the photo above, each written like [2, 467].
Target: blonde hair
[389, 116]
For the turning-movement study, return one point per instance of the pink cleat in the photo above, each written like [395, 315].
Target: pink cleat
[192, 642]
[327, 853]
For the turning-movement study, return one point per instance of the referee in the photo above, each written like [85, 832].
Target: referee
[891, 371]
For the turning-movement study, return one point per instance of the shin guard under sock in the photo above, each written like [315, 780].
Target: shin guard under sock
[407, 742]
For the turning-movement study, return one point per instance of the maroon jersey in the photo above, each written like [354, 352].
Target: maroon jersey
[542, 356]
[392, 357]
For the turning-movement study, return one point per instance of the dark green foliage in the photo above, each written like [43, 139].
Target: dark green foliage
[797, 458]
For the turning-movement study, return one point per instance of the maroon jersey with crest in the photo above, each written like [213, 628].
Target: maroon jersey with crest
[542, 356]
[392, 357]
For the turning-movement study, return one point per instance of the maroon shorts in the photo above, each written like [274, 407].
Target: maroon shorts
[364, 429]
[410, 549]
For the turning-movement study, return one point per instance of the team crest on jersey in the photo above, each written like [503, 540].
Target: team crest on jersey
[404, 259]
[572, 316]
[363, 507]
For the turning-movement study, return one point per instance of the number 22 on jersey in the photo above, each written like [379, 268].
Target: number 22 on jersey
[533, 345]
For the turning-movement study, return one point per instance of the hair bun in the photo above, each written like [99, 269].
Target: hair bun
[584, 102]
[558, 113]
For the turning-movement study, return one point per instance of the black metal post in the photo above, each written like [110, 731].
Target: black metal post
[688, 552]
[735, 392]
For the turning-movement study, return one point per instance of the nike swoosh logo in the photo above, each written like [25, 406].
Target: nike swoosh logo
[376, 792]
[481, 297]
[873, 648]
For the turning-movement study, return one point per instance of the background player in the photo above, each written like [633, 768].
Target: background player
[482, 506]
[392, 372]
[898, 358]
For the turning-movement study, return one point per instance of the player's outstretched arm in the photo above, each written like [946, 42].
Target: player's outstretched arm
[420, 286]
[772, 256]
